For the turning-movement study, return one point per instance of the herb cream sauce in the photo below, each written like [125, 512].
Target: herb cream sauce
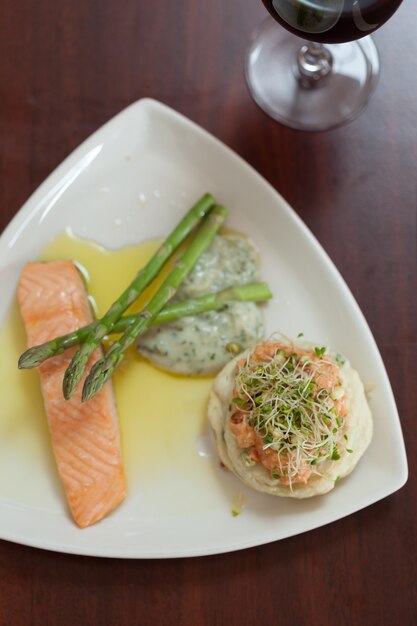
[204, 343]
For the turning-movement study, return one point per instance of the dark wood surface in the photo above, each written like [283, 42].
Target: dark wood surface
[65, 69]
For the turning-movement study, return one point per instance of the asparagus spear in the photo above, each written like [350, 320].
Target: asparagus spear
[103, 326]
[104, 368]
[254, 292]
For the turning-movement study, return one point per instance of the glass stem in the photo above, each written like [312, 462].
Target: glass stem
[314, 63]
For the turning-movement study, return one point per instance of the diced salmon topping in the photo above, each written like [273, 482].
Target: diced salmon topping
[319, 369]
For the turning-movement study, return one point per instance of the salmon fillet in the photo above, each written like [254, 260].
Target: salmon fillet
[85, 436]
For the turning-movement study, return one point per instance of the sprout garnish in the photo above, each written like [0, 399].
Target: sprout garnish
[286, 404]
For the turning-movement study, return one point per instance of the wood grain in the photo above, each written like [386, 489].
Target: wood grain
[65, 69]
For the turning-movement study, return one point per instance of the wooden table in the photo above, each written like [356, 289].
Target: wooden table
[65, 69]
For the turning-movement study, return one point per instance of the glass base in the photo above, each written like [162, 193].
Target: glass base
[275, 83]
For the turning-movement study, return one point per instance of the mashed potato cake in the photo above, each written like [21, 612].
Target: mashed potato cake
[290, 419]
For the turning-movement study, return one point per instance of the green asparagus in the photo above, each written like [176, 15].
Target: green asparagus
[104, 368]
[104, 326]
[255, 292]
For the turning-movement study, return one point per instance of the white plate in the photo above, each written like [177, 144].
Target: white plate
[138, 174]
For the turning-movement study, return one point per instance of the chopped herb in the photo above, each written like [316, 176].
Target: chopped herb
[233, 348]
[335, 455]
[247, 458]
[300, 335]
[320, 351]
[238, 505]
[349, 450]
[340, 360]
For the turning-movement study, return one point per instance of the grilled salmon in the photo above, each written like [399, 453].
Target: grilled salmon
[85, 436]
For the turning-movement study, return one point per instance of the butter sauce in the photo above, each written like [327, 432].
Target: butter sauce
[162, 416]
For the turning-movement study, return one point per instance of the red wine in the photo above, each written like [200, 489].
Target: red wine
[331, 21]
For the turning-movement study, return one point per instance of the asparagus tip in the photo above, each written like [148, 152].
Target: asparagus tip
[73, 374]
[101, 371]
[95, 381]
[34, 357]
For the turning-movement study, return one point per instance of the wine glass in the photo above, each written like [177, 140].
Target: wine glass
[326, 80]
